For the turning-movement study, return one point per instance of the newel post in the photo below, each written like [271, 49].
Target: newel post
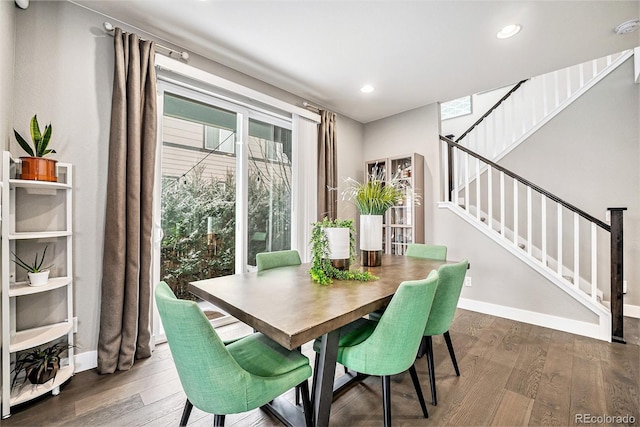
[617, 303]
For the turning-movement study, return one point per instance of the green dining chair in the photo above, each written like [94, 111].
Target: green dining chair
[443, 310]
[389, 347]
[269, 260]
[420, 250]
[219, 379]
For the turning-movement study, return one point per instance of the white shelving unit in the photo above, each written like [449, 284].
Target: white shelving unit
[404, 222]
[35, 214]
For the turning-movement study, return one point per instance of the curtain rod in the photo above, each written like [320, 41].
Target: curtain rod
[183, 54]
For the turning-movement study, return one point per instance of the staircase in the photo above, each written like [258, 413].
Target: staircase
[572, 249]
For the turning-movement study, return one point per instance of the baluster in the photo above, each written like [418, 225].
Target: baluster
[543, 237]
[503, 135]
[609, 60]
[556, 88]
[515, 211]
[513, 119]
[494, 136]
[533, 104]
[545, 107]
[594, 65]
[559, 228]
[502, 204]
[581, 70]
[529, 225]
[594, 262]
[456, 177]
[490, 197]
[478, 204]
[576, 250]
[568, 71]
[467, 200]
[523, 109]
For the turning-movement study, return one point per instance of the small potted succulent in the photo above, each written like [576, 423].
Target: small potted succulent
[38, 275]
[39, 364]
[36, 167]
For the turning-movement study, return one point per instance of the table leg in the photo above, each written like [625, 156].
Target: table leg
[326, 371]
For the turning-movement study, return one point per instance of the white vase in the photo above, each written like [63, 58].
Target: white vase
[38, 279]
[371, 240]
[338, 239]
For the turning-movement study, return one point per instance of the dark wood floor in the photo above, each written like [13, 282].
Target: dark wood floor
[512, 374]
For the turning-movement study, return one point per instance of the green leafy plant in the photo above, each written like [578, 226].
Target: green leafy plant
[36, 266]
[376, 195]
[39, 364]
[321, 270]
[40, 139]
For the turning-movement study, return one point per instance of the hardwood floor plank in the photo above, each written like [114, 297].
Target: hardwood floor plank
[513, 409]
[587, 388]
[525, 378]
[553, 401]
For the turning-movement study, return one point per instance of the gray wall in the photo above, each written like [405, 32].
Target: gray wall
[497, 277]
[350, 161]
[7, 26]
[589, 155]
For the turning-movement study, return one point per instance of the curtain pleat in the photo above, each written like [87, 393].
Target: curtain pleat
[327, 166]
[125, 327]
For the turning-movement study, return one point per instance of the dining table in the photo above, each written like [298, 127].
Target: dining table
[286, 305]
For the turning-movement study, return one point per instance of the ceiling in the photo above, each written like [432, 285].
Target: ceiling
[413, 52]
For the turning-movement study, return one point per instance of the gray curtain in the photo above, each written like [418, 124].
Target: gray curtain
[327, 166]
[125, 330]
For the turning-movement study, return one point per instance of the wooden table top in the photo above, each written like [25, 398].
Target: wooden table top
[287, 306]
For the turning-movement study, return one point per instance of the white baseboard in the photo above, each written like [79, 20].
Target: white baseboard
[592, 330]
[85, 361]
[632, 311]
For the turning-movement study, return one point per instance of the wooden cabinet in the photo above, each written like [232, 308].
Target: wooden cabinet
[404, 222]
[35, 215]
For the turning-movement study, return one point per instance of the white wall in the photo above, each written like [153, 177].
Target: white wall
[7, 40]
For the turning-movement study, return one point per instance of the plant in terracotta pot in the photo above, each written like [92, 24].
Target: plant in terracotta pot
[38, 275]
[39, 364]
[372, 198]
[36, 167]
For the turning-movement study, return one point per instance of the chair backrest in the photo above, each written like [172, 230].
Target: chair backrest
[268, 260]
[420, 250]
[451, 278]
[211, 378]
[393, 345]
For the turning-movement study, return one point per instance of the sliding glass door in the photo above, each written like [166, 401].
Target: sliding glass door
[224, 192]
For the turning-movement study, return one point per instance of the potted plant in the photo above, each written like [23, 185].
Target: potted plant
[322, 269]
[38, 275]
[39, 365]
[372, 198]
[36, 167]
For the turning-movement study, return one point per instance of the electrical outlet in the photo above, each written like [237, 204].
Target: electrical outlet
[467, 281]
[624, 286]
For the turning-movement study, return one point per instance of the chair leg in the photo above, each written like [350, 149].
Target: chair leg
[314, 380]
[386, 400]
[416, 384]
[432, 369]
[306, 403]
[218, 420]
[452, 353]
[186, 412]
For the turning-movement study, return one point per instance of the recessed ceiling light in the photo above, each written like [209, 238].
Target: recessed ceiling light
[367, 89]
[628, 26]
[509, 31]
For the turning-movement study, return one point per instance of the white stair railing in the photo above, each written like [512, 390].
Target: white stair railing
[532, 103]
[566, 244]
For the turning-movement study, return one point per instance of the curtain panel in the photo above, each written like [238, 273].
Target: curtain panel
[125, 330]
[327, 166]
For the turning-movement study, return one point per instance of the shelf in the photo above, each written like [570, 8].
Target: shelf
[37, 336]
[25, 235]
[29, 391]
[27, 183]
[23, 288]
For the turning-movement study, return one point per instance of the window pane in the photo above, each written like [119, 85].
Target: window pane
[269, 188]
[455, 108]
[198, 193]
